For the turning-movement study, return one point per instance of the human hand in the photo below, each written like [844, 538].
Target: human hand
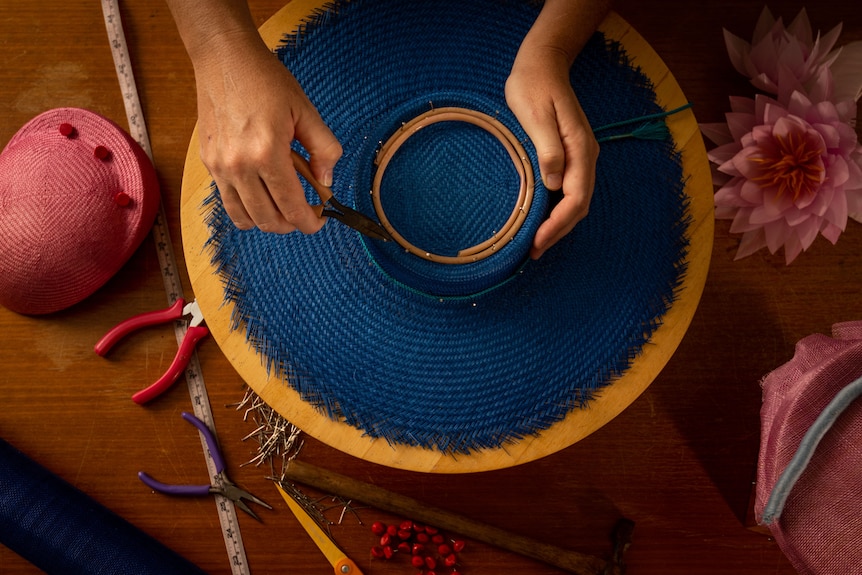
[539, 93]
[250, 109]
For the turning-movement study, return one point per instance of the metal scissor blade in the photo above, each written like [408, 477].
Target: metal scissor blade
[348, 216]
[357, 220]
[341, 563]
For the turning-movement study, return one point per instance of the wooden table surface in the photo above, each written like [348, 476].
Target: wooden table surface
[679, 461]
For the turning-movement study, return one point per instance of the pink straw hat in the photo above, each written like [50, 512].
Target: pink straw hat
[808, 479]
[77, 197]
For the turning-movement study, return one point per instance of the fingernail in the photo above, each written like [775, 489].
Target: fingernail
[327, 178]
[554, 181]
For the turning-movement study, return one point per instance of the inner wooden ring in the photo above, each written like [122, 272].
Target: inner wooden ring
[516, 153]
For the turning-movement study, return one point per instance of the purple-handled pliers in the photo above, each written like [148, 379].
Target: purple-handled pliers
[223, 485]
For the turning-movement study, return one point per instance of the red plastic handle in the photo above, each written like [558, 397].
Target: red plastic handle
[184, 354]
[121, 330]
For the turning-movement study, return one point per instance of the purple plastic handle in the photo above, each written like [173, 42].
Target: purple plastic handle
[173, 489]
[189, 489]
[210, 439]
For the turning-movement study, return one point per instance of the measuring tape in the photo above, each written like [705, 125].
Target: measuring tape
[170, 275]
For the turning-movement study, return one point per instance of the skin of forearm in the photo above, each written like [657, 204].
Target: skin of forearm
[565, 26]
[210, 27]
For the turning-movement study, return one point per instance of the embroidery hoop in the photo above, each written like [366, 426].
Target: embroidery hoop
[509, 142]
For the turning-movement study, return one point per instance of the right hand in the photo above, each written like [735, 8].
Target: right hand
[250, 109]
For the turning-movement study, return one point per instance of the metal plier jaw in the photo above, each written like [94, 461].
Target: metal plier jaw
[221, 485]
[194, 333]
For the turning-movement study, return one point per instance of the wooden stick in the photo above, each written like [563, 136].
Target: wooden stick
[349, 488]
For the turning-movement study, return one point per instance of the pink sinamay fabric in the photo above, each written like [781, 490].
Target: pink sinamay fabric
[820, 527]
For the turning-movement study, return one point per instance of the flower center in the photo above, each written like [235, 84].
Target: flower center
[793, 166]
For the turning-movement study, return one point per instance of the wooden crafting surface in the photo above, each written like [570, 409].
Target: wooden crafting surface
[209, 289]
[679, 461]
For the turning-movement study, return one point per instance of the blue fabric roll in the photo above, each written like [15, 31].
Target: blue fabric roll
[62, 530]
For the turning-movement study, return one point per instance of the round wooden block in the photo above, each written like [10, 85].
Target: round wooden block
[578, 424]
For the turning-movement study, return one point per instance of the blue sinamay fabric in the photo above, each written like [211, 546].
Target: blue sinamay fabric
[421, 353]
[62, 530]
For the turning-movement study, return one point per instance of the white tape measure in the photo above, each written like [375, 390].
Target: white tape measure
[173, 286]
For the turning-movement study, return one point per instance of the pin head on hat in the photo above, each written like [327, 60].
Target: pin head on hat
[77, 197]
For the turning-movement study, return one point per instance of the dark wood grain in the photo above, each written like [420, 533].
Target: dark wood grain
[680, 461]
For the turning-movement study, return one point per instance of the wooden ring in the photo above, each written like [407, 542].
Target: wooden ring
[516, 153]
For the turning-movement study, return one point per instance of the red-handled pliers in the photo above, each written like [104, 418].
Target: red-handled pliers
[194, 334]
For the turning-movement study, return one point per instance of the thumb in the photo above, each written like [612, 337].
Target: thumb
[323, 147]
[541, 126]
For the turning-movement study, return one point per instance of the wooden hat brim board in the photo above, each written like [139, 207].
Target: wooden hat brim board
[578, 424]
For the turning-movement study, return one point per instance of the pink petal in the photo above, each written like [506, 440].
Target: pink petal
[827, 42]
[724, 213]
[849, 140]
[776, 235]
[796, 216]
[742, 104]
[751, 193]
[827, 112]
[750, 243]
[800, 27]
[821, 86]
[740, 224]
[737, 50]
[831, 232]
[792, 248]
[728, 168]
[764, 58]
[838, 172]
[793, 58]
[807, 232]
[722, 154]
[772, 111]
[729, 195]
[716, 132]
[798, 104]
[837, 213]
[765, 23]
[739, 124]
[768, 212]
[830, 135]
[788, 83]
[744, 164]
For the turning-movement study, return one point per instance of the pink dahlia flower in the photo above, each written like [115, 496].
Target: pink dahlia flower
[777, 56]
[787, 173]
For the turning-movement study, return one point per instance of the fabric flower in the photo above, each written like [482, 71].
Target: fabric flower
[778, 56]
[788, 173]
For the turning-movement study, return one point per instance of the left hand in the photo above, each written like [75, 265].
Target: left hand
[540, 95]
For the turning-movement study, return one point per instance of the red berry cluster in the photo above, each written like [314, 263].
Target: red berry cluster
[427, 547]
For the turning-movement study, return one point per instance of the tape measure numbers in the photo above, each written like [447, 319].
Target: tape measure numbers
[170, 275]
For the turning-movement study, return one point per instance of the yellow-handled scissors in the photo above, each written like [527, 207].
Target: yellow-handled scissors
[341, 563]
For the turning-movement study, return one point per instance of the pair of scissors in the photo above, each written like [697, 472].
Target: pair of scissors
[332, 208]
[341, 563]
[193, 335]
[222, 486]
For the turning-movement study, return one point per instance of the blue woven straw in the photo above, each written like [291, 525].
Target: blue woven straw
[456, 357]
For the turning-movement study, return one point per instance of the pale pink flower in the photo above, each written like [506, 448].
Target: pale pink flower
[780, 60]
[787, 172]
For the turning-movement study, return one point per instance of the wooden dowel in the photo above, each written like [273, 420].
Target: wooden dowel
[349, 488]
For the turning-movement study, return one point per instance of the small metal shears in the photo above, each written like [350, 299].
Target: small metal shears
[332, 208]
[223, 485]
[341, 563]
[193, 335]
